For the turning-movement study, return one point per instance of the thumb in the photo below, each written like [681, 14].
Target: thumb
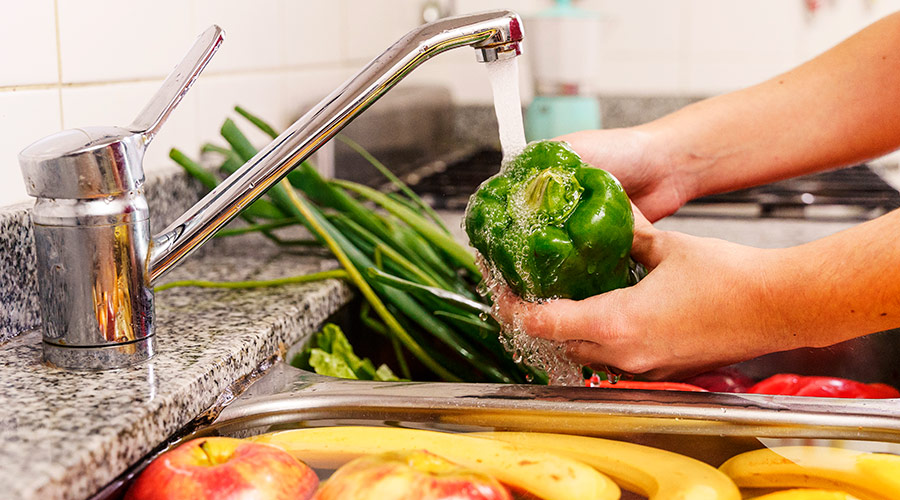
[559, 320]
[645, 246]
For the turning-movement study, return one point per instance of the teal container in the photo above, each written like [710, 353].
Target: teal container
[550, 116]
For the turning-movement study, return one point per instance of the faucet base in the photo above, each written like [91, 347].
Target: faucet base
[100, 357]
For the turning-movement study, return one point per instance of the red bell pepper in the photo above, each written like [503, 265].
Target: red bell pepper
[595, 381]
[788, 384]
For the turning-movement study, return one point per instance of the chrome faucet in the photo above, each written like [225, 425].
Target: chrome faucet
[96, 260]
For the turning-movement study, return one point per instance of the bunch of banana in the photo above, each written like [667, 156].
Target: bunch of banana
[547, 475]
[550, 466]
[867, 476]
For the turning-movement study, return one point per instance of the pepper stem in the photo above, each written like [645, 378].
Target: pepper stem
[553, 193]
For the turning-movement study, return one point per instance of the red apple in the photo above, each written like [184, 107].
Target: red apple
[224, 468]
[414, 475]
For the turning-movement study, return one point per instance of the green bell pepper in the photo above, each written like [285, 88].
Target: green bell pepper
[553, 226]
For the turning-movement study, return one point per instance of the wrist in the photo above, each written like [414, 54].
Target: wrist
[672, 160]
[808, 300]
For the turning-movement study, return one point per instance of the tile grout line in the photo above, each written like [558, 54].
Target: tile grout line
[236, 72]
[58, 63]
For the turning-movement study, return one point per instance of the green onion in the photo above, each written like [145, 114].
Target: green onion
[205, 177]
[446, 295]
[306, 278]
[442, 240]
[222, 233]
[260, 208]
[477, 323]
[392, 254]
[262, 125]
[395, 181]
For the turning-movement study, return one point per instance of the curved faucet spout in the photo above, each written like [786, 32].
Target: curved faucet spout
[495, 35]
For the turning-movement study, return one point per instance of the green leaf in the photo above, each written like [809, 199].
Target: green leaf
[330, 353]
[384, 374]
[332, 365]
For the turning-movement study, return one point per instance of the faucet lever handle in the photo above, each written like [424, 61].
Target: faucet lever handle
[154, 114]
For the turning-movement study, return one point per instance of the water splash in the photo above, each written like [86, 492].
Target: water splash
[541, 354]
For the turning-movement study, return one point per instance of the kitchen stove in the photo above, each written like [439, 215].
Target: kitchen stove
[854, 193]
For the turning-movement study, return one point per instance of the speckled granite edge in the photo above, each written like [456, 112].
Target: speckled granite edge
[18, 283]
[67, 434]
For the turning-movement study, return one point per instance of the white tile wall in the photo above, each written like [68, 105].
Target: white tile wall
[25, 116]
[311, 33]
[373, 26]
[109, 40]
[28, 41]
[69, 63]
[253, 33]
[731, 44]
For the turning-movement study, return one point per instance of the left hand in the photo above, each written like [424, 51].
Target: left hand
[705, 303]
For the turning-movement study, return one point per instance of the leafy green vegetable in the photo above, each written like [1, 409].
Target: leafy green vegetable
[330, 354]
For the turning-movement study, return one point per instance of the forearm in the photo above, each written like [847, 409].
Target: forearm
[839, 287]
[838, 109]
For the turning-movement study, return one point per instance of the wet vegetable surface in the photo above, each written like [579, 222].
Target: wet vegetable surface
[554, 226]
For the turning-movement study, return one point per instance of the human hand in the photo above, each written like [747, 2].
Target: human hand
[647, 172]
[703, 304]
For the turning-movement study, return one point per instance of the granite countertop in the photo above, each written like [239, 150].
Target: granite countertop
[67, 434]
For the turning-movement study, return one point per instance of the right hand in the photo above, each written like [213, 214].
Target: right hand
[705, 303]
[647, 172]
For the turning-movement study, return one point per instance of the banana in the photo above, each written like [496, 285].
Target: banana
[883, 467]
[869, 476]
[807, 494]
[656, 474]
[547, 475]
